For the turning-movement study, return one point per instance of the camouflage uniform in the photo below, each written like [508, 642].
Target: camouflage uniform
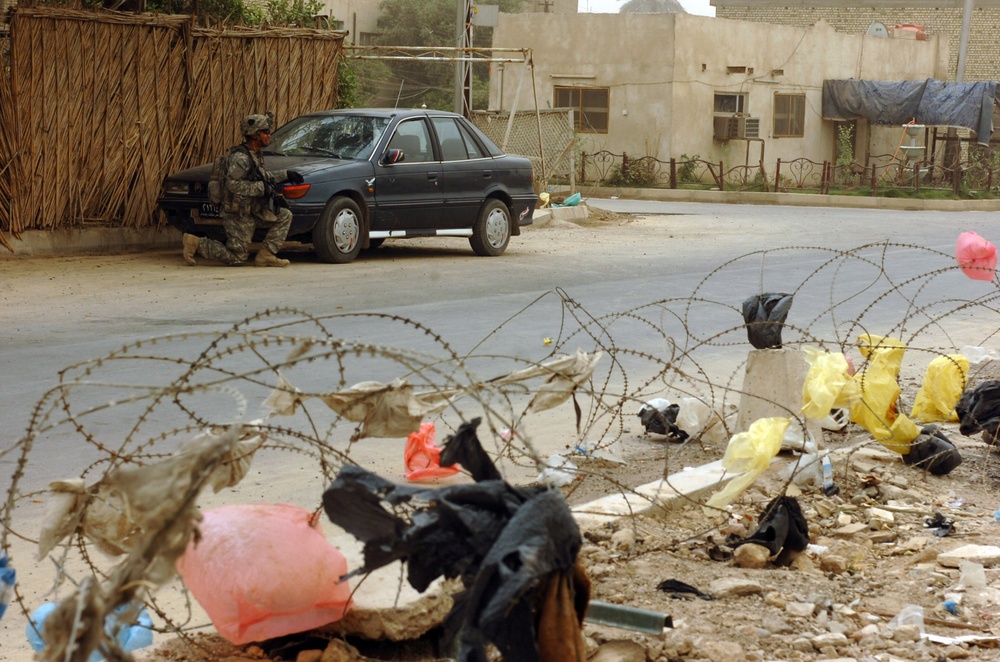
[244, 205]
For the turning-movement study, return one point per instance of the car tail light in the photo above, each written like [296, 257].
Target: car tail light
[296, 191]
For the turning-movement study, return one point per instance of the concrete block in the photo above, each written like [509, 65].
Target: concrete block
[985, 555]
[772, 386]
[575, 213]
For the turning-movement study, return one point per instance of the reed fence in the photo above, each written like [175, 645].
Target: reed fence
[99, 106]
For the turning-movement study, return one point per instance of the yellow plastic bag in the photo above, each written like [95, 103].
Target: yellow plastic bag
[943, 384]
[828, 384]
[876, 410]
[750, 451]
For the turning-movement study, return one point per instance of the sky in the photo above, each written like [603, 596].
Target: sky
[700, 7]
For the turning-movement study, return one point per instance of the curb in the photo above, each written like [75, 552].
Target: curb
[788, 199]
[94, 241]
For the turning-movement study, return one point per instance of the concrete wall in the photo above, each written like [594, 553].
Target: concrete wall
[360, 17]
[663, 71]
[940, 17]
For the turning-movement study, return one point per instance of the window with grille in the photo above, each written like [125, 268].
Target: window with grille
[729, 103]
[789, 115]
[590, 107]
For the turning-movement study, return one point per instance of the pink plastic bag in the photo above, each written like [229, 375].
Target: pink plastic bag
[976, 257]
[423, 457]
[261, 571]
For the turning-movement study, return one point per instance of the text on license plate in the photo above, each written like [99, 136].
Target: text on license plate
[208, 211]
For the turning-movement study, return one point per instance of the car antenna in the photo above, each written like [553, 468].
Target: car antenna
[398, 94]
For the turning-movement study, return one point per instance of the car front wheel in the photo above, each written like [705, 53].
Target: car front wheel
[491, 233]
[337, 235]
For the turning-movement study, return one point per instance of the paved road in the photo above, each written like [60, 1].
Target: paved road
[60, 311]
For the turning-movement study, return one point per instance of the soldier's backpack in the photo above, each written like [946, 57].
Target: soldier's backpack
[217, 180]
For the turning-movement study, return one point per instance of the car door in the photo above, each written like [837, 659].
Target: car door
[408, 193]
[466, 173]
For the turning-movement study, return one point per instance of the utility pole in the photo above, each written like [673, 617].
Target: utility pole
[963, 45]
[463, 70]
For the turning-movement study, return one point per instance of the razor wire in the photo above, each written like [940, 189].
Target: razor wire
[267, 382]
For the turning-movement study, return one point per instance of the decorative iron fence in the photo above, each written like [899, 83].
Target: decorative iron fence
[881, 174]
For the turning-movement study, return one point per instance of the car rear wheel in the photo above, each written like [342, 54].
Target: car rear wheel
[491, 233]
[337, 235]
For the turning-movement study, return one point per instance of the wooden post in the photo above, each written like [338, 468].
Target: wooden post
[763, 175]
[719, 179]
[673, 173]
[874, 179]
[777, 177]
[916, 177]
[583, 167]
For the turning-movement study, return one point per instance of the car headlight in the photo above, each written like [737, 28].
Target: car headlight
[176, 188]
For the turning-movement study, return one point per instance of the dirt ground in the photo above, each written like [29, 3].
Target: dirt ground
[871, 555]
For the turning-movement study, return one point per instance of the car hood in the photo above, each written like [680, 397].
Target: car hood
[304, 165]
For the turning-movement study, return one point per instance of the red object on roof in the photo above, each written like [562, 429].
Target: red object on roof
[921, 35]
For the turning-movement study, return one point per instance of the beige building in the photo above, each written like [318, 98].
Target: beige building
[937, 17]
[666, 85]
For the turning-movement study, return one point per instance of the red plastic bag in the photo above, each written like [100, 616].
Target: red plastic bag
[423, 457]
[262, 571]
[976, 257]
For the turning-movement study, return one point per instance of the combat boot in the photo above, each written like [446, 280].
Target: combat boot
[265, 258]
[190, 247]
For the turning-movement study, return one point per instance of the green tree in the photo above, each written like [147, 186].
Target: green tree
[430, 23]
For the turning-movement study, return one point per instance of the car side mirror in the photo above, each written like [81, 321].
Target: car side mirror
[393, 156]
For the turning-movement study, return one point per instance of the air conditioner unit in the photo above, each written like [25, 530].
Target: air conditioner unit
[736, 126]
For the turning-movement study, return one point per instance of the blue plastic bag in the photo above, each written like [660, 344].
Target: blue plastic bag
[130, 638]
[8, 577]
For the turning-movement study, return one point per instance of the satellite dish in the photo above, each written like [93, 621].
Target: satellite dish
[878, 30]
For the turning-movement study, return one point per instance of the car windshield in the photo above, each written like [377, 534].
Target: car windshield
[340, 136]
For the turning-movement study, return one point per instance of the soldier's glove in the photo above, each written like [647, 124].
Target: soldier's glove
[269, 191]
[295, 178]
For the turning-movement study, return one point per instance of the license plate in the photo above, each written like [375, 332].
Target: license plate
[207, 211]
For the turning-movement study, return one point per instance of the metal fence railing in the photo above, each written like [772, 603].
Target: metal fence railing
[978, 175]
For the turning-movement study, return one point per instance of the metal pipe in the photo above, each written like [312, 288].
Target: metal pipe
[963, 44]
[628, 618]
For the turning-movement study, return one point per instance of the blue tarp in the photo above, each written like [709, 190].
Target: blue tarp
[931, 102]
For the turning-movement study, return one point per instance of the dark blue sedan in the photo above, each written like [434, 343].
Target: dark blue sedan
[376, 174]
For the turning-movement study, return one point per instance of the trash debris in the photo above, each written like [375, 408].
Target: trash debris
[8, 577]
[264, 570]
[971, 575]
[877, 410]
[764, 315]
[133, 634]
[943, 384]
[939, 525]
[781, 526]
[828, 385]
[977, 354]
[628, 618]
[933, 452]
[979, 411]
[951, 607]
[558, 471]
[422, 456]
[678, 590]
[386, 410]
[514, 548]
[977, 258]
[749, 453]
[571, 201]
[658, 416]
[908, 615]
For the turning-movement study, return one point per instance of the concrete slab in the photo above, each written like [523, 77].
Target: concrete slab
[772, 386]
[673, 490]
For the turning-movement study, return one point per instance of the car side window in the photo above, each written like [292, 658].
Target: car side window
[414, 138]
[471, 146]
[453, 145]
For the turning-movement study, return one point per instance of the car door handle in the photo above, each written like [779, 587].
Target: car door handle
[487, 173]
[432, 175]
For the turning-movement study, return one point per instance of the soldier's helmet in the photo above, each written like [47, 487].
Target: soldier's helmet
[255, 123]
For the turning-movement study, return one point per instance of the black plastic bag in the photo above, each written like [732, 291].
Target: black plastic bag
[781, 526]
[979, 410]
[764, 315]
[662, 421]
[933, 452]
